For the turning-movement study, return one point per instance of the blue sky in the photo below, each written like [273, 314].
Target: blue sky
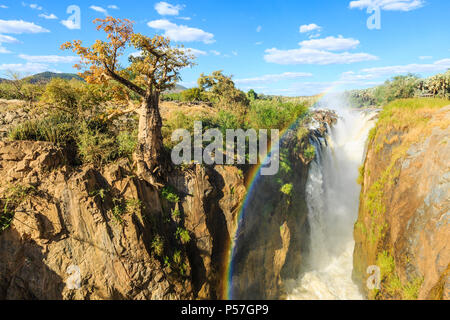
[288, 47]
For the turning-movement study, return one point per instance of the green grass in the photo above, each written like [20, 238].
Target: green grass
[10, 200]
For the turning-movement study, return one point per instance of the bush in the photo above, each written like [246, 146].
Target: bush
[192, 95]
[275, 114]
[127, 143]
[287, 189]
[169, 194]
[57, 128]
[95, 146]
[72, 96]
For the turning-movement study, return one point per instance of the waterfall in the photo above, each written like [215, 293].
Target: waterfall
[333, 200]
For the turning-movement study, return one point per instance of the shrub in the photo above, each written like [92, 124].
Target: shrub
[275, 114]
[310, 153]
[72, 96]
[57, 128]
[193, 95]
[183, 235]
[158, 245]
[287, 189]
[10, 200]
[96, 147]
[127, 143]
[169, 194]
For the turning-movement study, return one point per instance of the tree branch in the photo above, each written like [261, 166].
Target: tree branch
[130, 85]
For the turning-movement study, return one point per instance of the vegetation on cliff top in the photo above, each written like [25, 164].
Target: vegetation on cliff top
[402, 87]
[401, 124]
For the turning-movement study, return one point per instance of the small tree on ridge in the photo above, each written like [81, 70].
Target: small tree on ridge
[153, 70]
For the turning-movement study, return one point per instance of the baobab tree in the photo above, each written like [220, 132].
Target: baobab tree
[152, 70]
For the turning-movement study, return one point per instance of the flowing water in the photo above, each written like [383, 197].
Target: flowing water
[333, 200]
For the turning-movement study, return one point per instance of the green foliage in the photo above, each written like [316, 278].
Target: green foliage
[57, 128]
[133, 206]
[73, 97]
[176, 214]
[127, 143]
[118, 210]
[21, 89]
[13, 196]
[222, 92]
[402, 87]
[177, 257]
[158, 245]
[183, 235]
[361, 174]
[169, 194]
[252, 95]
[392, 282]
[310, 153]
[274, 114]
[192, 95]
[287, 189]
[95, 146]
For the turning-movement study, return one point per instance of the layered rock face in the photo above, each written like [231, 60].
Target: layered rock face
[403, 225]
[274, 233]
[81, 233]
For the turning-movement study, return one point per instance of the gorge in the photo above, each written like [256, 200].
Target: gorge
[309, 232]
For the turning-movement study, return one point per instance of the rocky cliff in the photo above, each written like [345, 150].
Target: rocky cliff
[403, 225]
[82, 233]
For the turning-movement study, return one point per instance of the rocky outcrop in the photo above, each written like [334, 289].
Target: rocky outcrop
[12, 113]
[273, 234]
[403, 226]
[81, 233]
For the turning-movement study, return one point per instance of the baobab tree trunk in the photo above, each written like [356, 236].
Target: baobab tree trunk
[150, 142]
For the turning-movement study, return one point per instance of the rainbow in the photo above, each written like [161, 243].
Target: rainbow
[251, 185]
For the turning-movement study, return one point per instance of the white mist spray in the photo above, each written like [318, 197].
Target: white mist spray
[333, 200]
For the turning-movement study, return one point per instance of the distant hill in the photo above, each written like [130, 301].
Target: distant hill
[178, 88]
[48, 76]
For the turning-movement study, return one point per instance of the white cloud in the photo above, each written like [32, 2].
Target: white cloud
[184, 18]
[196, 52]
[309, 28]
[48, 16]
[99, 9]
[70, 24]
[313, 56]
[235, 53]
[388, 5]
[181, 32]
[258, 29]
[215, 52]
[259, 43]
[4, 50]
[437, 66]
[35, 6]
[318, 51]
[50, 59]
[274, 77]
[2, 6]
[113, 7]
[425, 57]
[7, 39]
[166, 9]
[20, 26]
[330, 43]
[24, 68]
[389, 71]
